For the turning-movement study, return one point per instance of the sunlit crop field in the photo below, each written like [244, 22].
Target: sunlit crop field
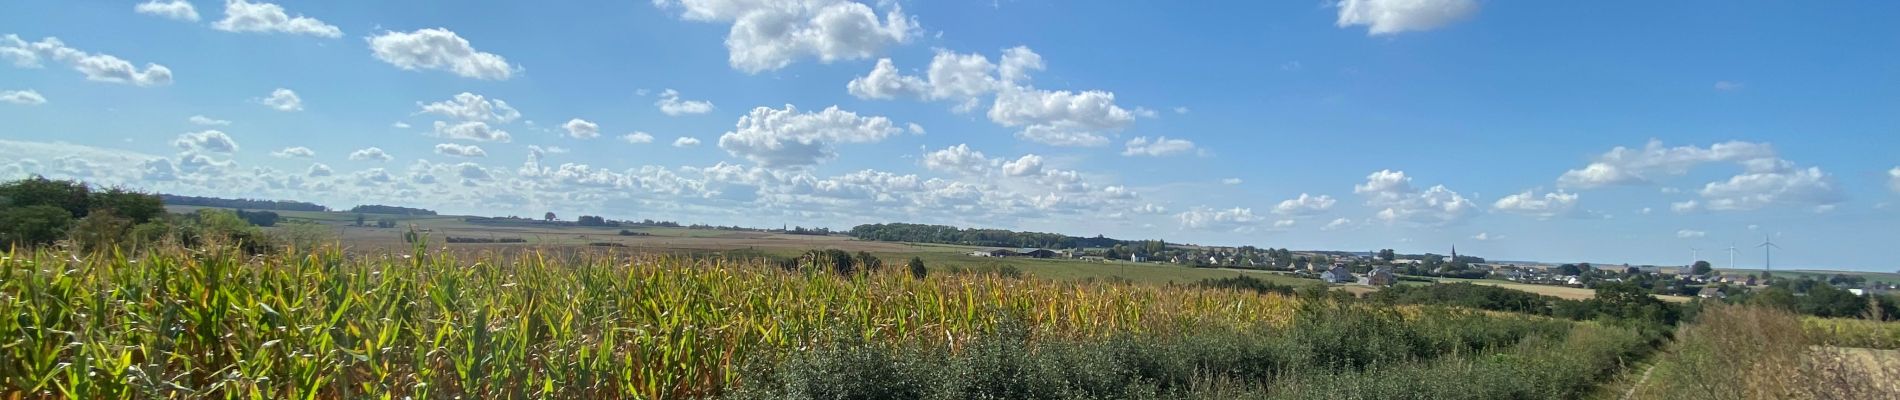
[188, 323]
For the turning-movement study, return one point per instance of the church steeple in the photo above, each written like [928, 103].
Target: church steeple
[1454, 253]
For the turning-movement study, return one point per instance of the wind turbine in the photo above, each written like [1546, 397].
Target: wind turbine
[1695, 254]
[1768, 254]
[1731, 255]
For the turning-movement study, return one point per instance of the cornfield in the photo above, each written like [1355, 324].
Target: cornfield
[1853, 332]
[434, 324]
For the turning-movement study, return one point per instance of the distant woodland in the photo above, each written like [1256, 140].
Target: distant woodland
[253, 204]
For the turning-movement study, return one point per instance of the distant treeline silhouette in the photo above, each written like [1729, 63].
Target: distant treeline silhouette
[453, 239]
[382, 209]
[254, 204]
[979, 237]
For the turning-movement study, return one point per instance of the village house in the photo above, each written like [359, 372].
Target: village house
[1380, 276]
[1337, 274]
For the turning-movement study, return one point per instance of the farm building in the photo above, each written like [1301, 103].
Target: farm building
[1036, 253]
[995, 253]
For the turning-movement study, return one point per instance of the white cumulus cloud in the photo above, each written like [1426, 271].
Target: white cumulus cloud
[208, 140]
[283, 100]
[1690, 234]
[1305, 205]
[1054, 117]
[1060, 118]
[174, 9]
[1235, 219]
[952, 76]
[370, 154]
[770, 34]
[637, 137]
[884, 82]
[788, 137]
[245, 16]
[472, 130]
[294, 152]
[1027, 165]
[686, 141]
[1382, 17]
[1627, 166]
[1893, 179]
[28, 97]
[581, 129]
[439, 49]
[96, 67]
[1392, 192]
[1684, 207]
[1548, 205]
[203, 120]
[959, 158]
[472, 107]
[670, 104]
[460, 150]
[1781, 185]
[1159, 147]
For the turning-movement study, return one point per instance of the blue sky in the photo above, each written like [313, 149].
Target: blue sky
[1564, 131]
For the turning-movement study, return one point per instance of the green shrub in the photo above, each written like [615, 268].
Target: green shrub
[102, 230]
[917, 269]
[33, 225]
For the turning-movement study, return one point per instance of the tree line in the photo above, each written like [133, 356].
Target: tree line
[40, 212]
[256, 204]
[382, 209]
[942, 234]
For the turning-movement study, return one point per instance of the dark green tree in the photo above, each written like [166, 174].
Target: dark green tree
[71, 196]
[135, 206]
[917, 267]
[101, 230]
[1701, 268]
[867, 262]
[1624, 300]
[33, 225]
[1569, 270]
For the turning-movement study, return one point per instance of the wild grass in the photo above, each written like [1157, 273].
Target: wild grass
[216, 322]
[1742, 352]
[1848, 332]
